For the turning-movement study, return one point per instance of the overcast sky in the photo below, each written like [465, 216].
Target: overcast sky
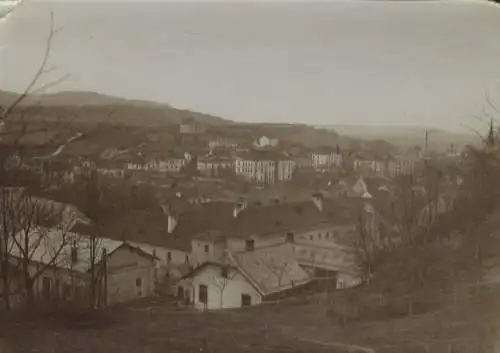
[342, 62]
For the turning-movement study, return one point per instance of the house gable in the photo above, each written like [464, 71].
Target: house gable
[225, 287]
[128, 256]
[360, 187]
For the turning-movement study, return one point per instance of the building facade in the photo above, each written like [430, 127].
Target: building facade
[264, 167]
[327, 160]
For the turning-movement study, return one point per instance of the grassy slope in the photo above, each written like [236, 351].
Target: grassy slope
[464, 317]
[452, 311]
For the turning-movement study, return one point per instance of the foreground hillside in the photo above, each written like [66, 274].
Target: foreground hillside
[452, 308]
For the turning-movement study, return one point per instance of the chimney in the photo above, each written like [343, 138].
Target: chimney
[172, 219]
[74, 253]
[165, 206]
[317, 198]
[172, 223]
[240, 206]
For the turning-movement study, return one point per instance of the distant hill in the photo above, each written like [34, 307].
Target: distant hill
[90, 107]
[404, 136]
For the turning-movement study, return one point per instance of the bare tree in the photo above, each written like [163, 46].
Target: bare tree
[279, 267]
[43, 236]
[364, 250]
[93, 211]
[8, 200]
[222, 280]
[13, 150]
[406, 201]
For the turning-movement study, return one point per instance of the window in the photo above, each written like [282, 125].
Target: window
[47, 287]
[57, 288]
[66, 291]
[224, 272]
[74, 254]
[310, 237]
[186, 259]
[340, 284]
[138, 286]
[180, 292]
[246, 300]
[289, 237]
[203, 294]
[319, 236]
[169, 257]
[249, 244]
[206, 248]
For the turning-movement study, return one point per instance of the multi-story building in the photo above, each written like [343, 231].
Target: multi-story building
[327, 159]
[322, 233]
[213, 165]
[388, 166]
[264, 167]
[221, 142]
[61, 260]
[400, 167]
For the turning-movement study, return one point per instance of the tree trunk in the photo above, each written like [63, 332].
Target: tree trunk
[30, 295]
[28, 284]
[6, 294]
[92, 288]
[5, 284]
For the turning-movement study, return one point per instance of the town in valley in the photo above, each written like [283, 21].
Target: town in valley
[200, 214]
[325, 180]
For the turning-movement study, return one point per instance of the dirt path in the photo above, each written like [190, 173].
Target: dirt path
[343, 346]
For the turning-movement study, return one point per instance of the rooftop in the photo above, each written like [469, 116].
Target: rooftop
[272, 269]
[60, 244]
[269, 270]
[146, 226]
[261, 155]
[255, 220]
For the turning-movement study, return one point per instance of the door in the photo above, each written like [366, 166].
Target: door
[246, 300]
[203, 294]
[47, 287]
[180, 292]
[138, 287]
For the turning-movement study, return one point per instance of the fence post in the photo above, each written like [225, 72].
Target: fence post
[344, 321]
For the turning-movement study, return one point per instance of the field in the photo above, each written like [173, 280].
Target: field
[157, 327]
[466, 326]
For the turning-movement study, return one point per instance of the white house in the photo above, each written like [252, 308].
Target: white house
[243, 279]
[60, 261]
[54, 240]
[265, 142]
[321, 231]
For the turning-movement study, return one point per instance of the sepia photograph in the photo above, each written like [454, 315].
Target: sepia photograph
[250, 176]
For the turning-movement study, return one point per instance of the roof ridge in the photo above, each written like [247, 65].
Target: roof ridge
[244, 272]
